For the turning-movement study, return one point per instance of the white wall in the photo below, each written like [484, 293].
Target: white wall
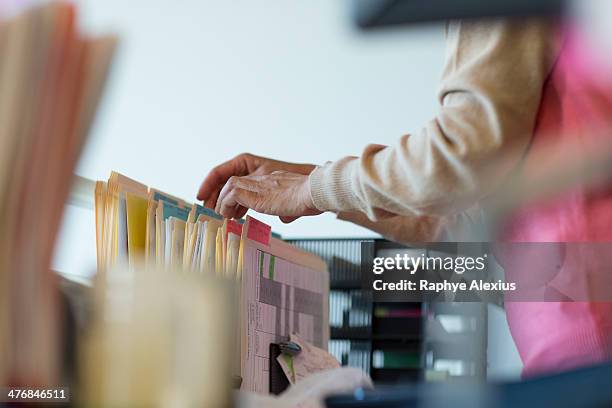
[199, 81]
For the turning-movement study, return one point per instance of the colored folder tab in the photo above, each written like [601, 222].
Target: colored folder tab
[200, 210]
[159, 196]
[170, 210]
[258, 231]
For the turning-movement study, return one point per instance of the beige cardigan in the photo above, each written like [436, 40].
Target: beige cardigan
[489, 97]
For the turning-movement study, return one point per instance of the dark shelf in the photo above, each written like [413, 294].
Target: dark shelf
[398, 326]
[337, 333]
[396, 375]
[350, 333]
[392, 330]
[345, 285]
[402, 337]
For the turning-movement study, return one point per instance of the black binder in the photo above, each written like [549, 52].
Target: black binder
[278, 379]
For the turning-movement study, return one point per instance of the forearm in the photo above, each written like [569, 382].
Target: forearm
[489, 98]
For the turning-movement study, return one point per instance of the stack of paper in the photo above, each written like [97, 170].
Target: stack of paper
[51, 78]
[140, 225]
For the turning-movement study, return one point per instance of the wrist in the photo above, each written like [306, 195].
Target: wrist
[331, 186]
[308, 200]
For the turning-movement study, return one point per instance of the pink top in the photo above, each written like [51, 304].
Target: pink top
[576, 106]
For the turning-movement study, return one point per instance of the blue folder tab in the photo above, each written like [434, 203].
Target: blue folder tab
[157, 196]
[206, 211]
[176, 212]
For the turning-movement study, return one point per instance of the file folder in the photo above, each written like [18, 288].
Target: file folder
[282, 289]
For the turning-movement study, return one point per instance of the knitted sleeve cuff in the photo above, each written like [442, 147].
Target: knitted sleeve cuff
[331, 186]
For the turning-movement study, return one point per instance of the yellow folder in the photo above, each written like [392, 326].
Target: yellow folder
[137, 226]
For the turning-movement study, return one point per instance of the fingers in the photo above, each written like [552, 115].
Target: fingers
[229, 186]
[211, 201]
[279, 193]
[241, 212]
[214, 181]
[288, 220]
[233, 201]
[236, 203]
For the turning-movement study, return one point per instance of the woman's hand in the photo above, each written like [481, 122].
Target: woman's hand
[279, 193]
[244, 165]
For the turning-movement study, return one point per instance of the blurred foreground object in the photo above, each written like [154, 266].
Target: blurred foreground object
[379, 13]
[51, 79]
[160, 338]
[583, 388]
[311, 391]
